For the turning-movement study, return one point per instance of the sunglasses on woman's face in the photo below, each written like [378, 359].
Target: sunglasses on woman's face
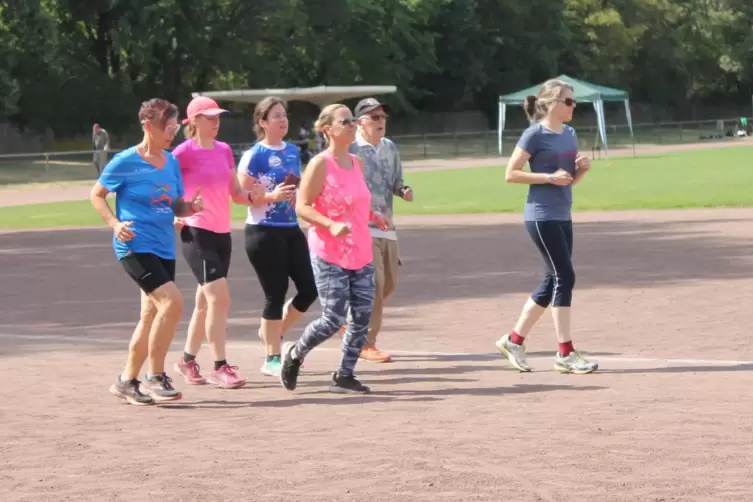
[171, 129]
[348, 121]
[568, 101]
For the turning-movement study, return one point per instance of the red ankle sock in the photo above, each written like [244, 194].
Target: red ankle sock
[516, 338]
[566, 349]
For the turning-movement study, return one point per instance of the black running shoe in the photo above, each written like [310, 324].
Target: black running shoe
[347, 385]
[160, 387]
[290, 367]
[130, 391]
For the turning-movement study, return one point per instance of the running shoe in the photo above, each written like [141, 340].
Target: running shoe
[160, 387]
[272, 367]
[574, 363]
[189, 370]
[226, 377]
[514, 353]
[130, 391]
[347, 385]
[290, 367]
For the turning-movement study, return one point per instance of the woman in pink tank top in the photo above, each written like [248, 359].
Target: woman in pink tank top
[334, 199]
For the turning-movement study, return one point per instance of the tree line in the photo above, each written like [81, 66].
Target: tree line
[65, 64]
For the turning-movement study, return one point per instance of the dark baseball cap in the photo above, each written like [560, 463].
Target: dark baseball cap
[369, 104]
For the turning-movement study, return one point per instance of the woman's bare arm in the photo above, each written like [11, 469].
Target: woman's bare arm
[312, 183]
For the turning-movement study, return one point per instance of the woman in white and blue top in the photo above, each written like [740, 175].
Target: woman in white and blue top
[275, 244]
[551, 149]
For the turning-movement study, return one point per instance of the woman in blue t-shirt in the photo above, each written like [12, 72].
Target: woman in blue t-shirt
[551, 149]
[275, 244]
[147, 183]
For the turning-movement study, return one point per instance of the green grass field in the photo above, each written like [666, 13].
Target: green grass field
[706, 178]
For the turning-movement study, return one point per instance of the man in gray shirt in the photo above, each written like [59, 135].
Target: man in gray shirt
[100, 145]
[384, 176]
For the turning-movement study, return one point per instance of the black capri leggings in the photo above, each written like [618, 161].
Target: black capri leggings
[554, 240]
[277, 253]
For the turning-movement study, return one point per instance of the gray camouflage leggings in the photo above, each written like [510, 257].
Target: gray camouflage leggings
[339, 288]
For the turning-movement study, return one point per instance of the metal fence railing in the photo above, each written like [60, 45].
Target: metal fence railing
[54, 167]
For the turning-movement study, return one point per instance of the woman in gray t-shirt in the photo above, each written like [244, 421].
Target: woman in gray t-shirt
[551, 149]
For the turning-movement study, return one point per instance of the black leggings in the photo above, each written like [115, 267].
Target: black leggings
[277, 253]
[554, 240]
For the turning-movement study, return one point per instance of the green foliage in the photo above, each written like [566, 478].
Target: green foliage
[67, 63]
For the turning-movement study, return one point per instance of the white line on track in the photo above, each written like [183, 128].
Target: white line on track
[414, 353]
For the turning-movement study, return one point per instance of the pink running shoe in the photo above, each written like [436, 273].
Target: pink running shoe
[190, 372]
[226, 378]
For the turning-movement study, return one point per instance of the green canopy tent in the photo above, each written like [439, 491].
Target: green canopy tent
[584, 92]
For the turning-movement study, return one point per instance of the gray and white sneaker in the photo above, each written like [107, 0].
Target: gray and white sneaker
[514, 353]
[160, 388]
[574, 363]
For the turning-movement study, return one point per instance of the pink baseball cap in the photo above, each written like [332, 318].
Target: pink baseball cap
[202, 105]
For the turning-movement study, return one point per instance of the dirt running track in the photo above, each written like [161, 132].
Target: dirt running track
[660, 302]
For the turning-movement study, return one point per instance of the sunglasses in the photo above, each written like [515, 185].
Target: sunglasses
[568, 101]
[347, 122]
[173, 129]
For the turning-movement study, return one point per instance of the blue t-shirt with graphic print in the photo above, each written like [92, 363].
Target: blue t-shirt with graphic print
[270, 165]
[146, 196]
[549, 152]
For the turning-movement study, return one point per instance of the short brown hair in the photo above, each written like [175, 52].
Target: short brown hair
[158, 111]
[537, 107]
[261, 112]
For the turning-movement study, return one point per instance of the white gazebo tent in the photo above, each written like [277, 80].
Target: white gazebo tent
[320, 96]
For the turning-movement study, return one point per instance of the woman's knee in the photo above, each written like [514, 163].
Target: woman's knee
[305, 297]
[217, 294]
[169, 299]
[148, 312]
[273, 307]
[333, 321]
[200, 302]
[542, 296]
[566, 279]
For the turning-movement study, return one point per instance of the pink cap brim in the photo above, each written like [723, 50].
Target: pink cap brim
[211, 112]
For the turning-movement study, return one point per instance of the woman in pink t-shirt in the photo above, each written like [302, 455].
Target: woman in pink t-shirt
[335, 200]
[208, 167]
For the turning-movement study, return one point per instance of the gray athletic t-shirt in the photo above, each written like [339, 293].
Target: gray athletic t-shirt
[549, 152]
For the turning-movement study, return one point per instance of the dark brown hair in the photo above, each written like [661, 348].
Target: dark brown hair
[158, 111]
[537, 107]
[261, 112]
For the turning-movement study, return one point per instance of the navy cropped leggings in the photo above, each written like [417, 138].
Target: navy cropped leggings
[554, 240]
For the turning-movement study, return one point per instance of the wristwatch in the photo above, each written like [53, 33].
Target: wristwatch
[548, 178]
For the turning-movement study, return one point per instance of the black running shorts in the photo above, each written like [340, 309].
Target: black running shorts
[207, 253]
[148, 270]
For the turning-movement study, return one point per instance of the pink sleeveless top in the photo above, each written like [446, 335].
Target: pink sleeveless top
[344, 198]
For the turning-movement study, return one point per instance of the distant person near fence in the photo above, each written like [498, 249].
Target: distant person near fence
[100, 145]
